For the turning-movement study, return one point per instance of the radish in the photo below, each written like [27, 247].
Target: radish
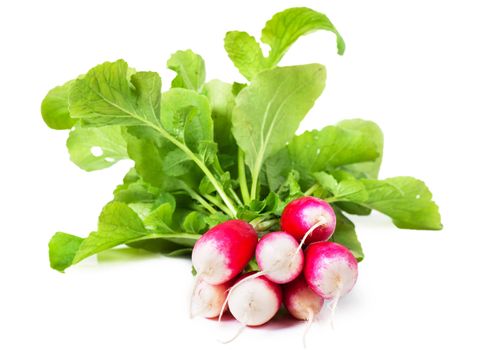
[207, 299]
[330, 270]
[301, 302]
[308, 219]
[255, 301]
[279, 257]
[223, 251]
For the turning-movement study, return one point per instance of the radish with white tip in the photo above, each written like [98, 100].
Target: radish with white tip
[309, 219]
[279, 257]
[207, 299]
[301, 302]
[330, 270]
[254, 301]
[223, 251]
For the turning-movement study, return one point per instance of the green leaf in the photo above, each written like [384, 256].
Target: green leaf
[349, 189]
[54, 108]
[269, 111]
[105, 96]
[97, 148]
[326, 181]
[206, 187]
[160, 218]
[406, 200]
[353, 208]
[148, 154]
[186, 115]
[190, 69]
[330, 147]
[368, 169]
[222, 101]
[217, 218]
[117, 225]
[176, 163]
[181, 239]
[157, 245]
[280, 32]
[62, 250]
[245, 53]
[195, 222]
[345, 234]
[285, 27]
[134, 190]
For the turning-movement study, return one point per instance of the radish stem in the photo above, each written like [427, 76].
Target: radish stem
[218, 204]
[311, 190]
[193, 194]
[242, 177]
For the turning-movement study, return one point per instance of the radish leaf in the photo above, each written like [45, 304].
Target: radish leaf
[190, 69]
[268, 112]
[96, 148]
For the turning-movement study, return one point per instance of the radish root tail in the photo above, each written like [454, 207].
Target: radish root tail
[235, 336]
[309, 322]
[333, 304]
[322, 221]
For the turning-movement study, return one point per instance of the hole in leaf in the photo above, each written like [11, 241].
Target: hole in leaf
[109, 159]
[96, 151]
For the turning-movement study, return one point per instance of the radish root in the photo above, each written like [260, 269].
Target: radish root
[235, 336]
[239, 331]
[309, 322]
[333, 304]
[320, 222]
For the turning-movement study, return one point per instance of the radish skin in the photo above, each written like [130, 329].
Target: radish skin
[309, 220]
[330, 269]
[207, 299]
[279, 257]
[223, 251]
[255, 301]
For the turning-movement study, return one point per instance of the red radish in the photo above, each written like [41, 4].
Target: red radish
[309, 219]
[223, 251]
[255, 301]
[302, 302]
[331, 271]
[279, 257]
[207, 299]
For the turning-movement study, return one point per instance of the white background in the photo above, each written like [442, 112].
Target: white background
[417, 68]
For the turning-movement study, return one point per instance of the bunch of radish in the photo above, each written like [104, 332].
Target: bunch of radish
[305, 281]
